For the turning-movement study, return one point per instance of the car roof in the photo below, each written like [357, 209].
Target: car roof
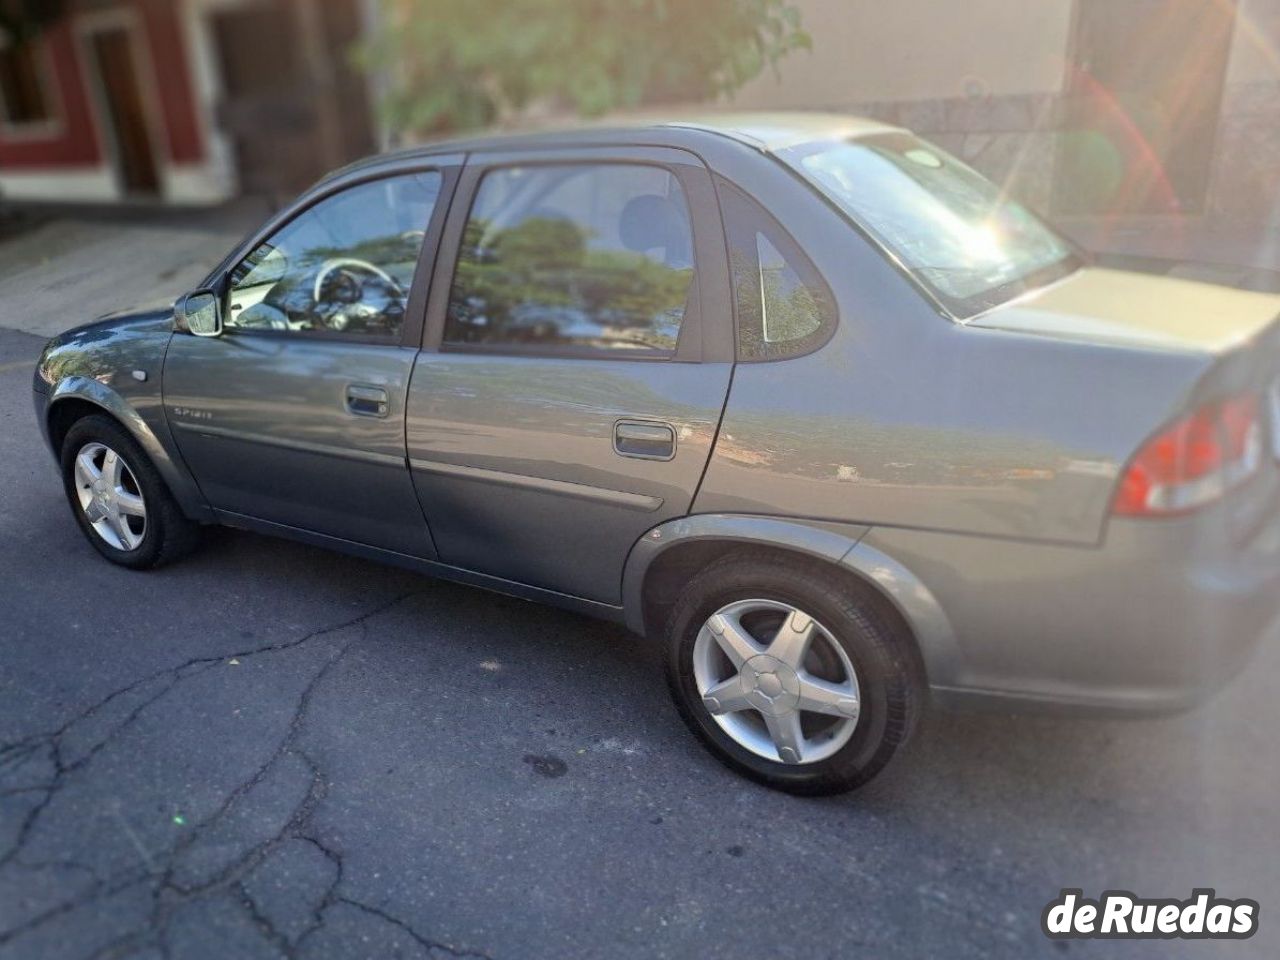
[765, 131]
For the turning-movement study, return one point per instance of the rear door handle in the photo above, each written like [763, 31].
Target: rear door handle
[644, 439]
[366, 401]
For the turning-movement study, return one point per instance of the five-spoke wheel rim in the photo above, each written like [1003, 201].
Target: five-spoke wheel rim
[110, 496]
[776, 681]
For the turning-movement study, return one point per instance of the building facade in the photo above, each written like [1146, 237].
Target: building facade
[181, 101]
[1083, 107]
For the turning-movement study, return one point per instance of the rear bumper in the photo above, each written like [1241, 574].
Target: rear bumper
[1154, 620]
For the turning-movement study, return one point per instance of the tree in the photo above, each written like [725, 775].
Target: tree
[454, 64]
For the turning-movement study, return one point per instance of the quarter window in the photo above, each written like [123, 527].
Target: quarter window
[783, 306]
[591, 259]
[344, 266]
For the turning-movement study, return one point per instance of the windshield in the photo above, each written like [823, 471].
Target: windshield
[972, 247]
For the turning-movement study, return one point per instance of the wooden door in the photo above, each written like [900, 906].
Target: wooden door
[126, 110]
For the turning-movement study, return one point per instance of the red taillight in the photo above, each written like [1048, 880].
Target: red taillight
[1194, 461]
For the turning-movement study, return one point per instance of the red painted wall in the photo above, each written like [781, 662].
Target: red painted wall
[75, 142]
[163, 53]
[168, 48]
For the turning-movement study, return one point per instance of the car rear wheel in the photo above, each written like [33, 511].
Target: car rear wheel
[792, 674]
[119, 500]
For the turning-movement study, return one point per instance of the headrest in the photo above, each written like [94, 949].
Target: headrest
[650, 222]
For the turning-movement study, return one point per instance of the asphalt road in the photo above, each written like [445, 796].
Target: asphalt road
[269, 750]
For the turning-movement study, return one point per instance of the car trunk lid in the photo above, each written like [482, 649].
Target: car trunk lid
[1236, 332]
[1138, 310]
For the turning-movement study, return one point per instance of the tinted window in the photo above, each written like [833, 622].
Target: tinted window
[344, 265]
[556, 258]
[783, 306]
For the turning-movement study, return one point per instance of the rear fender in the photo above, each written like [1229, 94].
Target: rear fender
[839, 544]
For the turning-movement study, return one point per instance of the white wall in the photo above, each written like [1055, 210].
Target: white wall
[216, 178]
[71, 184]
[1255, 51]
[867, 50]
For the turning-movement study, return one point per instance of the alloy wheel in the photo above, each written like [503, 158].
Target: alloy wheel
[776, 681]
[110, 496]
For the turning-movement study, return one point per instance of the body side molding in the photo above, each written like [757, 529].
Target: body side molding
[581, 491]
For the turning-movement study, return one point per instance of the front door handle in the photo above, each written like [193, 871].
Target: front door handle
[366, 401]
[644, 439]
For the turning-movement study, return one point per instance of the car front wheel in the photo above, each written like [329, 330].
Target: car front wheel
[792, 674]
[118, 498]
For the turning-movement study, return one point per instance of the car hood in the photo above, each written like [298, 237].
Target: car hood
[102, 349]
[1138, 310]
[147, 315]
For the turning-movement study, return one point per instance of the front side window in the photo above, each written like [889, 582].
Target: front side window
[343, 266]
[958, 234]
[783, 306]
[594, 258]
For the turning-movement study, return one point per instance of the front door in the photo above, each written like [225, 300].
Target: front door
[295, 415]
[577, 363]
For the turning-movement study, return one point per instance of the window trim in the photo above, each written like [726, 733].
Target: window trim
[725, 190]
[696, 342]
[447, 165]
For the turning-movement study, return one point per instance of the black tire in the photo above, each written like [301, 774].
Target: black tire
[168, 534]
[890, 675]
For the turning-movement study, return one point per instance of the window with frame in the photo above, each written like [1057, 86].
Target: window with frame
[783, 306]
[23, 98]
[343, 266]
[590, 259]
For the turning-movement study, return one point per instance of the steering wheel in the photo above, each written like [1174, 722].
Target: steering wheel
[340, 281]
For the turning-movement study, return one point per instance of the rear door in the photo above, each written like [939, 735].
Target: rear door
[295, 415]
[577, 360]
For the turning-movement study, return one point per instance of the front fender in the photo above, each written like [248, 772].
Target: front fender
[835, 543]
[172, 470]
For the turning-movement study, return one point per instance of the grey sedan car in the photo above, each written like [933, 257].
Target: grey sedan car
[803, 396]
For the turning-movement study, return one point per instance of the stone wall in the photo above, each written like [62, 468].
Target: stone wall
[1014, 140]
[1246, 172]
[1008, 138]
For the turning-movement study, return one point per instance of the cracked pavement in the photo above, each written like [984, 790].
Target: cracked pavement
[268, 750]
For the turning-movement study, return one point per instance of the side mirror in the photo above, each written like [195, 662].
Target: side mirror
[199, 313]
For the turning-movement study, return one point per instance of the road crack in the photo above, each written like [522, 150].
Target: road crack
[57, 751]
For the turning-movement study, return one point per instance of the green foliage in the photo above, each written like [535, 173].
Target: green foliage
[464, 63]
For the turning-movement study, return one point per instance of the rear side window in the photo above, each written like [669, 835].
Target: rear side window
[783, 306]
[575, 258]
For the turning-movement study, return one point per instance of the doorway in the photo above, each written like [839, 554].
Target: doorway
[116, 65]
[293, 104]
[1144, 90]
[264, 107]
